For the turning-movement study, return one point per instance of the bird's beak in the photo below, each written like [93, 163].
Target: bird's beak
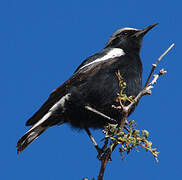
[142, 32]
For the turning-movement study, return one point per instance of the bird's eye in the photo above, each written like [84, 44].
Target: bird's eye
[125, 33]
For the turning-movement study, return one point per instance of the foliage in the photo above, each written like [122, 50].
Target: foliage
[129, 137]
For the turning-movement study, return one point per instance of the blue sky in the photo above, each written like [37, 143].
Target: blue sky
[42, 43]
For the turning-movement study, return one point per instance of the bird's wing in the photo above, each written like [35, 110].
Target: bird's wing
[91, 59]
[88, 68]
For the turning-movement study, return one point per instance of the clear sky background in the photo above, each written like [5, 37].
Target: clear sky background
[41, 44]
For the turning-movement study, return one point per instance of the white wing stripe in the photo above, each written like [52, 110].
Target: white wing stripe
[46, 116]
[60, 103]
[115, 52]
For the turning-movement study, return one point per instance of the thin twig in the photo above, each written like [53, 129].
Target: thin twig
[110, 120]
[154, 81]
[156, 63]
[147, 90]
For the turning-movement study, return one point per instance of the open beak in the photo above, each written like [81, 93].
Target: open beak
[142, 32]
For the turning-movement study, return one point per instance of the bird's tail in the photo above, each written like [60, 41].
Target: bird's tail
[30, 136]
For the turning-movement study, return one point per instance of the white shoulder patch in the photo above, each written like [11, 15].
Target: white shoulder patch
[115, 52]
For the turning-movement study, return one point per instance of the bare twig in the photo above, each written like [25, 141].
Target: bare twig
[156, 63]
[110, 120]
[154, 81]
[146, 90]
[126, 109]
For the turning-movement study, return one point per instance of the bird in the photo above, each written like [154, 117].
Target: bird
[86, 99]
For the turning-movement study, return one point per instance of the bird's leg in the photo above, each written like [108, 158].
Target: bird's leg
[93, 140]
[102, 152]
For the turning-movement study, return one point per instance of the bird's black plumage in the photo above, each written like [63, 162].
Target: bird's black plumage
[93, 84]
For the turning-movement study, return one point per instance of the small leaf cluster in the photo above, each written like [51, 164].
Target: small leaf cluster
[129, 139]
[121, 96]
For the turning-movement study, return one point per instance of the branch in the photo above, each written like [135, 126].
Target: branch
[156, 63]
[110, 120]
[126, 109]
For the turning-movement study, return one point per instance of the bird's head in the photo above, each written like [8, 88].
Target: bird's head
[129, 39]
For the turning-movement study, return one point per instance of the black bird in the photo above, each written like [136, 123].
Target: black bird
[93, 88]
